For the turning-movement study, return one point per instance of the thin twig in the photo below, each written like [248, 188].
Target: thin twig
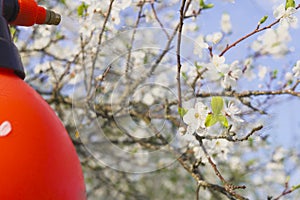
[89, 89]
[132, 39]
[197, 192]
[158, 20]
[230, 138]
[178, 53]
[287, 190]
[228, 186]
[195, 14]
[257, 30]
[249, 93]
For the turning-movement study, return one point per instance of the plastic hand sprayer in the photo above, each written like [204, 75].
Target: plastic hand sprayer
[37, 157]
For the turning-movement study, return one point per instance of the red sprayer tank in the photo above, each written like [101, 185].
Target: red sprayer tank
[37, 157]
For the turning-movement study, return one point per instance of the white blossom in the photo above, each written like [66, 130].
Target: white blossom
[273, 42]
[193, 8]
[149, 16]
[286, 16]
[274, 166]
[218, 61]
[226, 26]
[289, 76]
[262, 71]
[248, 72]
[200, 44]
[195, 117]
[119, 5]
[296, 69]
[148, 99]
[280, 154]
[233, 111]
[215, 37]
[231, 74]
[221, 148]
[212, 73]
[181, 131]
[215, 68]
[198, 152]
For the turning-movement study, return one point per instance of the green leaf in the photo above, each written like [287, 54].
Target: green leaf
[210, 120]
[275, 73]
[251, 141]
[82, 9]
[296, 187]
[263, 19]
[198, 66]
[63, 2]
[223, 120]
[250, 162]
[184, 76]
[14, 33]
[288, 178]
[182, 111]
[208, 6]
[146, 59]
[201, 3]
[205, 6]
[217, 104]
[290, 3]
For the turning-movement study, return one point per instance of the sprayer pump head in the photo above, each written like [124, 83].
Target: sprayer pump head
[28, 13]
[20, 13]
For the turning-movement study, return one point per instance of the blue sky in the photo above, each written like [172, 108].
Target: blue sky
[284, 123]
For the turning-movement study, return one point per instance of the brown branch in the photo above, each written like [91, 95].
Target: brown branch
[247, 36]
[133, 38]
[228, 137]
[178, 54]
[295, 85]
[286, 191]
[250, 93]
[89, 89]
[205, 184]
[195, 14]
[158, 20]
[257, 30]
[228, 186]
[197, 192]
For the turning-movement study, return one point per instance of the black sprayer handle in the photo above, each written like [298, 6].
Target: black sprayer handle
[9, 54]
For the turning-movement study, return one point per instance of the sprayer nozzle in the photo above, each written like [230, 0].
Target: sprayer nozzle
[28, 13]
[52, 18]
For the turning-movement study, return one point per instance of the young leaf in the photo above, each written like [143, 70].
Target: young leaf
[296, 187]
[184, 76]
[217, 104]
[274, 74]
[263, 19]
[82, 9]
[182, 111]
[63, 2]
[210, 120]
[290, 3]
[208, 6]
[223, 120]
[205, 6]
[288, 178]
[201, 3]
[198, 66]
[251, 142]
